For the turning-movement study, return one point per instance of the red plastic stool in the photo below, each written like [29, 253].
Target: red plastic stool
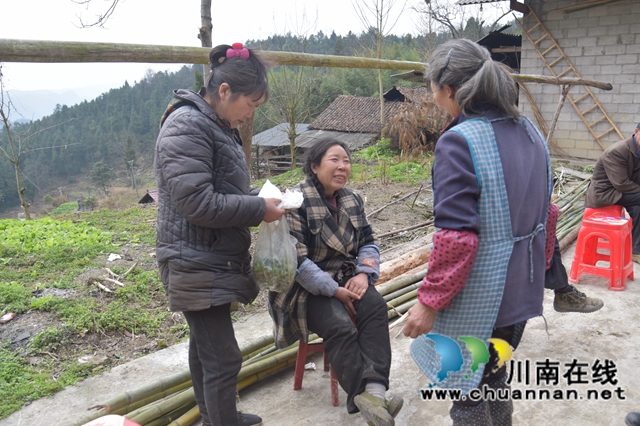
[605, 235]
[303, 351]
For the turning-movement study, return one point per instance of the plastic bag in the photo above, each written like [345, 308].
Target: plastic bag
[290, 199]
[275, 258]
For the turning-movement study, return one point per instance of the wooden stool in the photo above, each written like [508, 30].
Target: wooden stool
[605, 235]
[303, 351]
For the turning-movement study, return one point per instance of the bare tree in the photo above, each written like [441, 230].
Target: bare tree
[18, 145]
[38, 174]
[459, 21]
[98, 20]
[204, 34]
[291, 88]
[376, 16]
[205, 24]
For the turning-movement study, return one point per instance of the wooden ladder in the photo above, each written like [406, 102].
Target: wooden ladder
[586, 104]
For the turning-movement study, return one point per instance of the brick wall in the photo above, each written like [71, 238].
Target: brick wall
[603, 43]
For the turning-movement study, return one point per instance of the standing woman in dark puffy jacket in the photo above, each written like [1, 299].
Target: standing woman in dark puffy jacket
[204, 215]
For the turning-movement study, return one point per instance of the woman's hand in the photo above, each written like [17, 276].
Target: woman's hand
[420, 320]
[347, 297]
[358, 284]
[273, 212]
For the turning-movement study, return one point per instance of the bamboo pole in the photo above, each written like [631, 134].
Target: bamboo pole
[15, 50]
[249, 380]
[146, 406]
[574, 224]
[133, 413]
[151, 406]
[164, 407]
[579, 192]
[146, 401]
[64, 51]
[130, 397]
[186, 419]
[268, 362]
[175, 414]
[259, 354]
[257, 344]
[399, 310]
[402, 291]
[273, 351]
[258, 370]
[395, 284]
[400, 300]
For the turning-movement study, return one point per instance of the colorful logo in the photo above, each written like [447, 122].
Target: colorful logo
[451, 353]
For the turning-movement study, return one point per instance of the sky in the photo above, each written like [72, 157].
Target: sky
[159, 22]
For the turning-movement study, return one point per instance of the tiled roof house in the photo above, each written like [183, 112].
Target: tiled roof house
[354, 120]
[359, 114]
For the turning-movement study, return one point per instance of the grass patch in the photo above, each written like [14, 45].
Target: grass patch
[14, 297]
[21, 382]
[41, 259]
[65, 208]
[132, 225]
[375, 162]
[284, 180]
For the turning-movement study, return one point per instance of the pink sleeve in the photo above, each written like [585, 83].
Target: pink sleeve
[552, 221]
[449, 267]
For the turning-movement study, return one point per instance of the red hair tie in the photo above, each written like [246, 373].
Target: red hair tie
[238, 51]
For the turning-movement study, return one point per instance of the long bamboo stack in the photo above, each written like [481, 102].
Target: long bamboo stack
[571, 205]
[170, 401]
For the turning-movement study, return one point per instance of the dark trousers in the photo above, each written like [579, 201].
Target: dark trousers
[359, 351]
[556, 276]
[631, 203]
[214, 360]
[467, 412]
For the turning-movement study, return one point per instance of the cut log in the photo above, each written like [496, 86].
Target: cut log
[395, 267]
[569, 239]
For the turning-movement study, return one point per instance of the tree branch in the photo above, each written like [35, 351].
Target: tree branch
[101, 19]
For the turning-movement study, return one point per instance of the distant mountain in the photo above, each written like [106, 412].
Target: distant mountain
[32, 105]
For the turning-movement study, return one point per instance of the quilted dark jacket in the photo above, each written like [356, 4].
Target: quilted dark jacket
[204, 209]
[617, 172]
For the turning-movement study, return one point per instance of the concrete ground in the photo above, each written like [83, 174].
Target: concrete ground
[607, 338]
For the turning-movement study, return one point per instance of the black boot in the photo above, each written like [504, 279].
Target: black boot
[576, 301]
[245, 419]
[632, 419]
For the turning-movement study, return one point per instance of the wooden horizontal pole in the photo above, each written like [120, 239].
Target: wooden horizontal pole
[66, 51]
[73, 51]
[507, 49]
[565, 81]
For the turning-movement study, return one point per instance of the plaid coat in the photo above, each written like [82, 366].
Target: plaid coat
[329, 244]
